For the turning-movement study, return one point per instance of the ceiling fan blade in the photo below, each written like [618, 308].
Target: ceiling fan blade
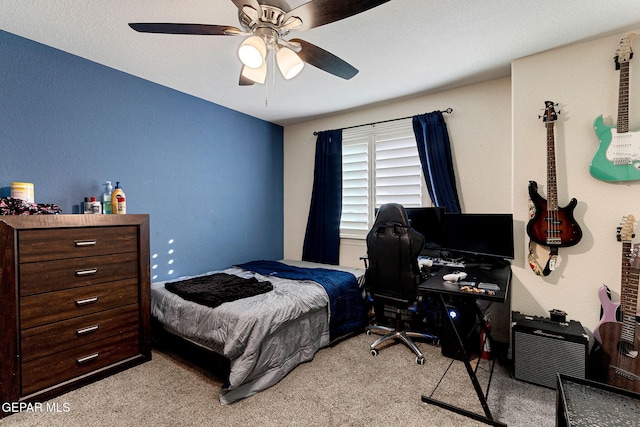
[320, 58]
[319, 12]
[199, 29]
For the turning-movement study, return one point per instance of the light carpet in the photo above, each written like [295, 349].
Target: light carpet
[342, 386]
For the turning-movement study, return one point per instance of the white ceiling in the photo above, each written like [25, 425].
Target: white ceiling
[402, 48]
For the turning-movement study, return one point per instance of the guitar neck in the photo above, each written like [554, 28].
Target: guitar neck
[623, 99]
[552, 186]
[628, 293]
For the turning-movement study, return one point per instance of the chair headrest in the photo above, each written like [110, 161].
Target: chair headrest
[391, 213]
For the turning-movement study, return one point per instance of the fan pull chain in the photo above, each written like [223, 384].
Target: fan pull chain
[273, 78]
[266, 82]
[273, 69]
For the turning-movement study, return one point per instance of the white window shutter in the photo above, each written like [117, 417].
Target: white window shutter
[398, 176]
[355, 187]
[379, 165]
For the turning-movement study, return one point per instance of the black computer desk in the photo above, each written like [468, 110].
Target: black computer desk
[500, 274]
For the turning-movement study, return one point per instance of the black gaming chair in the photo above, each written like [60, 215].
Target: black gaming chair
[392, 276]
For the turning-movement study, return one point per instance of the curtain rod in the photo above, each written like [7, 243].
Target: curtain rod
[448, 111]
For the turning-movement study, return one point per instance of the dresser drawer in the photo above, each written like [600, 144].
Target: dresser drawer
[74, 301]
[59, 243]
[47, 276]
[41, 373]
[59, 336]
[36, 310]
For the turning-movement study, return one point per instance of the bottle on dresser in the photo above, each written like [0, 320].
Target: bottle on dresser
[106, 198]
[91, 206]
[118, 201]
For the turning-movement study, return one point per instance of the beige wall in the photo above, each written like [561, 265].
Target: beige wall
[498, 146]
[583, 80]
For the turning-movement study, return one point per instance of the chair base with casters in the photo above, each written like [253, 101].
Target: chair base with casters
[404, 336]
[398, 334]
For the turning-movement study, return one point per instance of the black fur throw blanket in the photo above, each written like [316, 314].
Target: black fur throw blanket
[11, 206]
[218, 288]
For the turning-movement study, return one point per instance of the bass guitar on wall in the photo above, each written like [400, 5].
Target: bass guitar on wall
[552, 225]
[618, 155]
[621, 340]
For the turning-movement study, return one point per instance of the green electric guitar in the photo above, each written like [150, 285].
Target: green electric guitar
[618, 155]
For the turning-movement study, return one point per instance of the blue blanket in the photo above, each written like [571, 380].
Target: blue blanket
[348, 310]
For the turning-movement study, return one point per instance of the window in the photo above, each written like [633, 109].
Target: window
[380, 164]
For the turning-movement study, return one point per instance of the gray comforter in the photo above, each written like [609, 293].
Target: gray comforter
[264, 336]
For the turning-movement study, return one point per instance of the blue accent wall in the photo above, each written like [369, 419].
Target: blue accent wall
[210, 178]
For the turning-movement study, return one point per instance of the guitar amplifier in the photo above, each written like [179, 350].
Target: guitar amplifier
[543, 347]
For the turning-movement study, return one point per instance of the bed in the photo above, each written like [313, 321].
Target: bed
[267, 335]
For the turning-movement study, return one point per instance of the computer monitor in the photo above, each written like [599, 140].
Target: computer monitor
[479, 235]
[428, 222]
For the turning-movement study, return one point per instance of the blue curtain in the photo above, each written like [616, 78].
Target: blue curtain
[434, 150]
[322, 238]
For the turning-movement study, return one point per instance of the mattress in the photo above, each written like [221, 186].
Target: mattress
[264, 336]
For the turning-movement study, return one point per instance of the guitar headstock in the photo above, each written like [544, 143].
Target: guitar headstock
[550, 114]
[624, 52]
[625, 231]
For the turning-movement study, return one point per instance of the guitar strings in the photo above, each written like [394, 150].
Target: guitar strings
[626, 351]
[552, 208]
[619, 359]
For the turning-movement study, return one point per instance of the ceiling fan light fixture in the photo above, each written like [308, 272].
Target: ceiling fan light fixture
[257, 75]
[252, 52]
[289, 62]
[266, 24]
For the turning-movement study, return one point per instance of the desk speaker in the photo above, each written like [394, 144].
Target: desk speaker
[542, 348]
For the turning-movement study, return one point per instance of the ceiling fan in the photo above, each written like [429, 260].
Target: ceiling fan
[266, 23]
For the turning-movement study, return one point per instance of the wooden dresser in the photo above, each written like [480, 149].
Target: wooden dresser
[74, 301]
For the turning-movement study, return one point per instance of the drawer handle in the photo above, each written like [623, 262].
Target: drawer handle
[82, 243]
[86, 359]
[86, 301]
[87, 272]
[87, 330]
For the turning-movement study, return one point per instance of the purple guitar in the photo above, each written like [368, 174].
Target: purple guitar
[609, 310]
[621, 340]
